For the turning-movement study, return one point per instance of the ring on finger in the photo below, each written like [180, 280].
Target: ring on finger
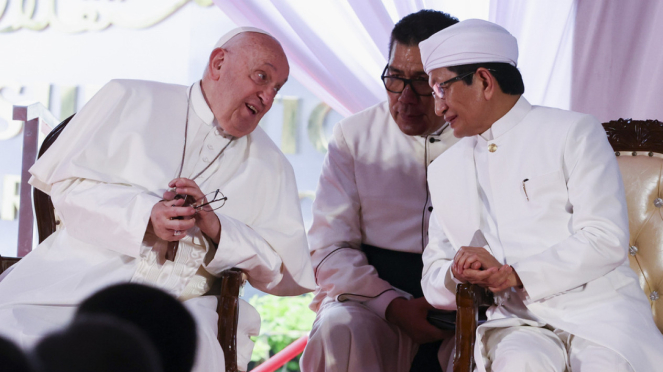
[177, 232]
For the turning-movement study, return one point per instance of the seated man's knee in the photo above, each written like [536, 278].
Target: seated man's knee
[527, 360]
[525, 350]
[346, 322]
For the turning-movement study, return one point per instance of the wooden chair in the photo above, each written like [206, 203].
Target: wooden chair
[227, 288]
[638, 146]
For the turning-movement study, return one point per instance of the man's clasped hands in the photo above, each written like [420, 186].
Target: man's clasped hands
[477, 266]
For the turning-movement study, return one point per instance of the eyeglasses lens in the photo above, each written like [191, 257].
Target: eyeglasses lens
[397, 85]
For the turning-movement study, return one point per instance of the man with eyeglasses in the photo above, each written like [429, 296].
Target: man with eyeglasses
[534, 211]
[370, 223]
[168, 185]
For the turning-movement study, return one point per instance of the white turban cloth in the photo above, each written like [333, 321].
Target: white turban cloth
[467, 42]
[236, 31]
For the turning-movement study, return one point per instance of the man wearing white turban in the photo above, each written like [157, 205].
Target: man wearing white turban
[534, 211]
[113, 175]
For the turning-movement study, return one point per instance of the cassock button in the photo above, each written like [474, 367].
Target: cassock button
[492, 147]
[206, 160]
[216, 132]
[430, 209]
[210, 146]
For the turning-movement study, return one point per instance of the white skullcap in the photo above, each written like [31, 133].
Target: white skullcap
[236, 31]
[467, 42]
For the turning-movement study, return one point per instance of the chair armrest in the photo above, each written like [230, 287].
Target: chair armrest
[228, 310]
[469, 297]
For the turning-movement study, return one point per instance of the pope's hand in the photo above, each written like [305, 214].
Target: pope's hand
[205, 218]
[410, 316]
[164, 220]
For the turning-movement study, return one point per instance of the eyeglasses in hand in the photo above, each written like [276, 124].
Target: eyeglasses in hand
[210, 202]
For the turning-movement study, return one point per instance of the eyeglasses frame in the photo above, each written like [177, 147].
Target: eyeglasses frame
[441, 86]
[405, 81]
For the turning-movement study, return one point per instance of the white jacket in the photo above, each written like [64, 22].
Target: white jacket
[565, 233]
[372, 190]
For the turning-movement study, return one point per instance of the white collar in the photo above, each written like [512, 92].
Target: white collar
[202, 109]
[199, 104]
[508, 121]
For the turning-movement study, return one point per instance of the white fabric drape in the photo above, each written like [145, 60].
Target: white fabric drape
[330, 51]
[544, 30]
[618, 59]
[337, 49]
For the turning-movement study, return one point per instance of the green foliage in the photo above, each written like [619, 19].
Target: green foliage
[284, 320]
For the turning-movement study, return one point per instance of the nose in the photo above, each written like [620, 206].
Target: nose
[267, 96]
[407, 95]
[440, 107]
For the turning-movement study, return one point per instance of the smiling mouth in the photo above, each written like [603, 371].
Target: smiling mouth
[253, 109]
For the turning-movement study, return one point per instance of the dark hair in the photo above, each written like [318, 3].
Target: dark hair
[167, 323]
[507, 76]
[100, 344]
[417, 27]
[12, 357]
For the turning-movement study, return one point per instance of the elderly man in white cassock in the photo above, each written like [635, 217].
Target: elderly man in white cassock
[534, 211]
[113, 176]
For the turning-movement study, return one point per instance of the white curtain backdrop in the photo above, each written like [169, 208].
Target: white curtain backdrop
[544, 30]
[618, 59]
[338, 48]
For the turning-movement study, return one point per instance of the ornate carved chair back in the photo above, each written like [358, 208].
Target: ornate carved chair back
[638, 146]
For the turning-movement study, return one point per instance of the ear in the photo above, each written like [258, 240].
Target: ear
[488, 83]
[216, 61]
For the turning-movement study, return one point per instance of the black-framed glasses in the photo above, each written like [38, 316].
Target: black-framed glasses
[439, 90]
[396, 84]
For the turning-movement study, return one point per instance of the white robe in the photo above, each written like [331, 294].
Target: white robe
[104, 174]
[565, 232]
[372, 190]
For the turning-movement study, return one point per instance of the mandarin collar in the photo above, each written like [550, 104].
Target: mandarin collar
[508, 121]
[199, 104]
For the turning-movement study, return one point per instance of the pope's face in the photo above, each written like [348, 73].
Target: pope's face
[414, 114]
[462, 105]
[244, 78]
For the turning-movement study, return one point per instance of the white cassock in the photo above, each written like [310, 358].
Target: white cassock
[104, 174]
[550, 202]
[373, 191]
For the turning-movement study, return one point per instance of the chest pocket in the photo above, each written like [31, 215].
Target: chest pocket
[546, 190]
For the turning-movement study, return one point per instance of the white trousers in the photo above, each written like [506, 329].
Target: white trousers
[349, 337]
[533, 349]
